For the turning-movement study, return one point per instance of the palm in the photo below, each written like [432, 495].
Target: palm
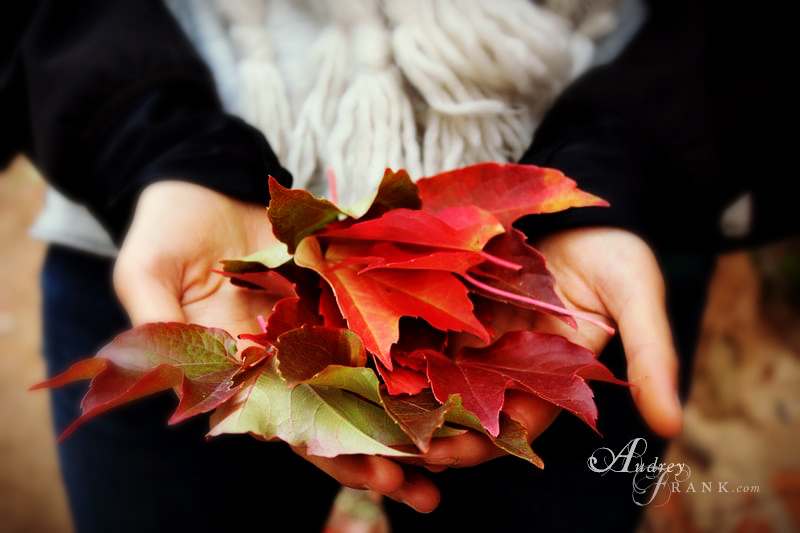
[180, 233]
[614, 275]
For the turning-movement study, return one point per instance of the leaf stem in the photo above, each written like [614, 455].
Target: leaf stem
[332, 186]
[501, 262]
[538, 303]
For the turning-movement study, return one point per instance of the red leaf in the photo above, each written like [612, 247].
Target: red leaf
[329, 309]
[373, 302]
[533, 280]
[548, 366]
[471, 229]
[507, 191]
[288, 314]
[402, 379]
[304, 352]
[197, 362]
[393, 255]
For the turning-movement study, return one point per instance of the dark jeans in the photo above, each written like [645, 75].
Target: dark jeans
[127, 470]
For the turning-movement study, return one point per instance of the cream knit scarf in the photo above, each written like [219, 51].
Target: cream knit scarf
[355, 86]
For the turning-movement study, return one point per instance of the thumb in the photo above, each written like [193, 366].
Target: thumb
[146, 298]
[650, 352]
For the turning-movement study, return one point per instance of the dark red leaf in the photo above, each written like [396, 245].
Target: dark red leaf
[307, 351]
[533, 280]
[548, 366]
[268, 280]
[198, 363]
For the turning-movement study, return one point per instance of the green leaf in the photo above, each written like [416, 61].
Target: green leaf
[420, 415]
[272, 256]
[396, 190]
[324, 420]
[512, 437]
[295, 213]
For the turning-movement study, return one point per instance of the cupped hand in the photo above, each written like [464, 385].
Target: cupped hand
[179, 233]
[613, 276]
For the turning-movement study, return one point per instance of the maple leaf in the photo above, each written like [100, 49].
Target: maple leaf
[549, 366]
[404, 256]
[423, 418]
[198, 363]
[507, 191]
[468, 228]
[372, 302]
[512, 436]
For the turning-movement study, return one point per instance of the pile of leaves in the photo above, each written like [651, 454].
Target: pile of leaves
[386, 334]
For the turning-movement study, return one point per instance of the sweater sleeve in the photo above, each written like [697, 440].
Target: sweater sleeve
[109, 96]
[674, 130]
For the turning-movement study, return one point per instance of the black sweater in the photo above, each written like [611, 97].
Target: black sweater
[107, 96]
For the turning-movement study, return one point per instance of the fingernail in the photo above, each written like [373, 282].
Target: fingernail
[406, 502]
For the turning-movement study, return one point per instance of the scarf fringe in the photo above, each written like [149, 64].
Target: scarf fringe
[403, 83]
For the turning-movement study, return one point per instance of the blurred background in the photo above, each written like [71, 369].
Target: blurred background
[742, 421]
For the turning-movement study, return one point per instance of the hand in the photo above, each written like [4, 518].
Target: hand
[180, 231]
[612, 275]
[403, 483]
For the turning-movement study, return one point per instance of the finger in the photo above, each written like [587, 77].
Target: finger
[146, 299]
[383, 476]
[652, 361]
[533, 413]
[469, 449]
[418, 492]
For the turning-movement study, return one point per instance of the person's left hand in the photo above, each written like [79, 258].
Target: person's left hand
[612, 275]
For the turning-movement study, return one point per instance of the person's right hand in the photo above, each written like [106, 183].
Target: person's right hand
[163, 273]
